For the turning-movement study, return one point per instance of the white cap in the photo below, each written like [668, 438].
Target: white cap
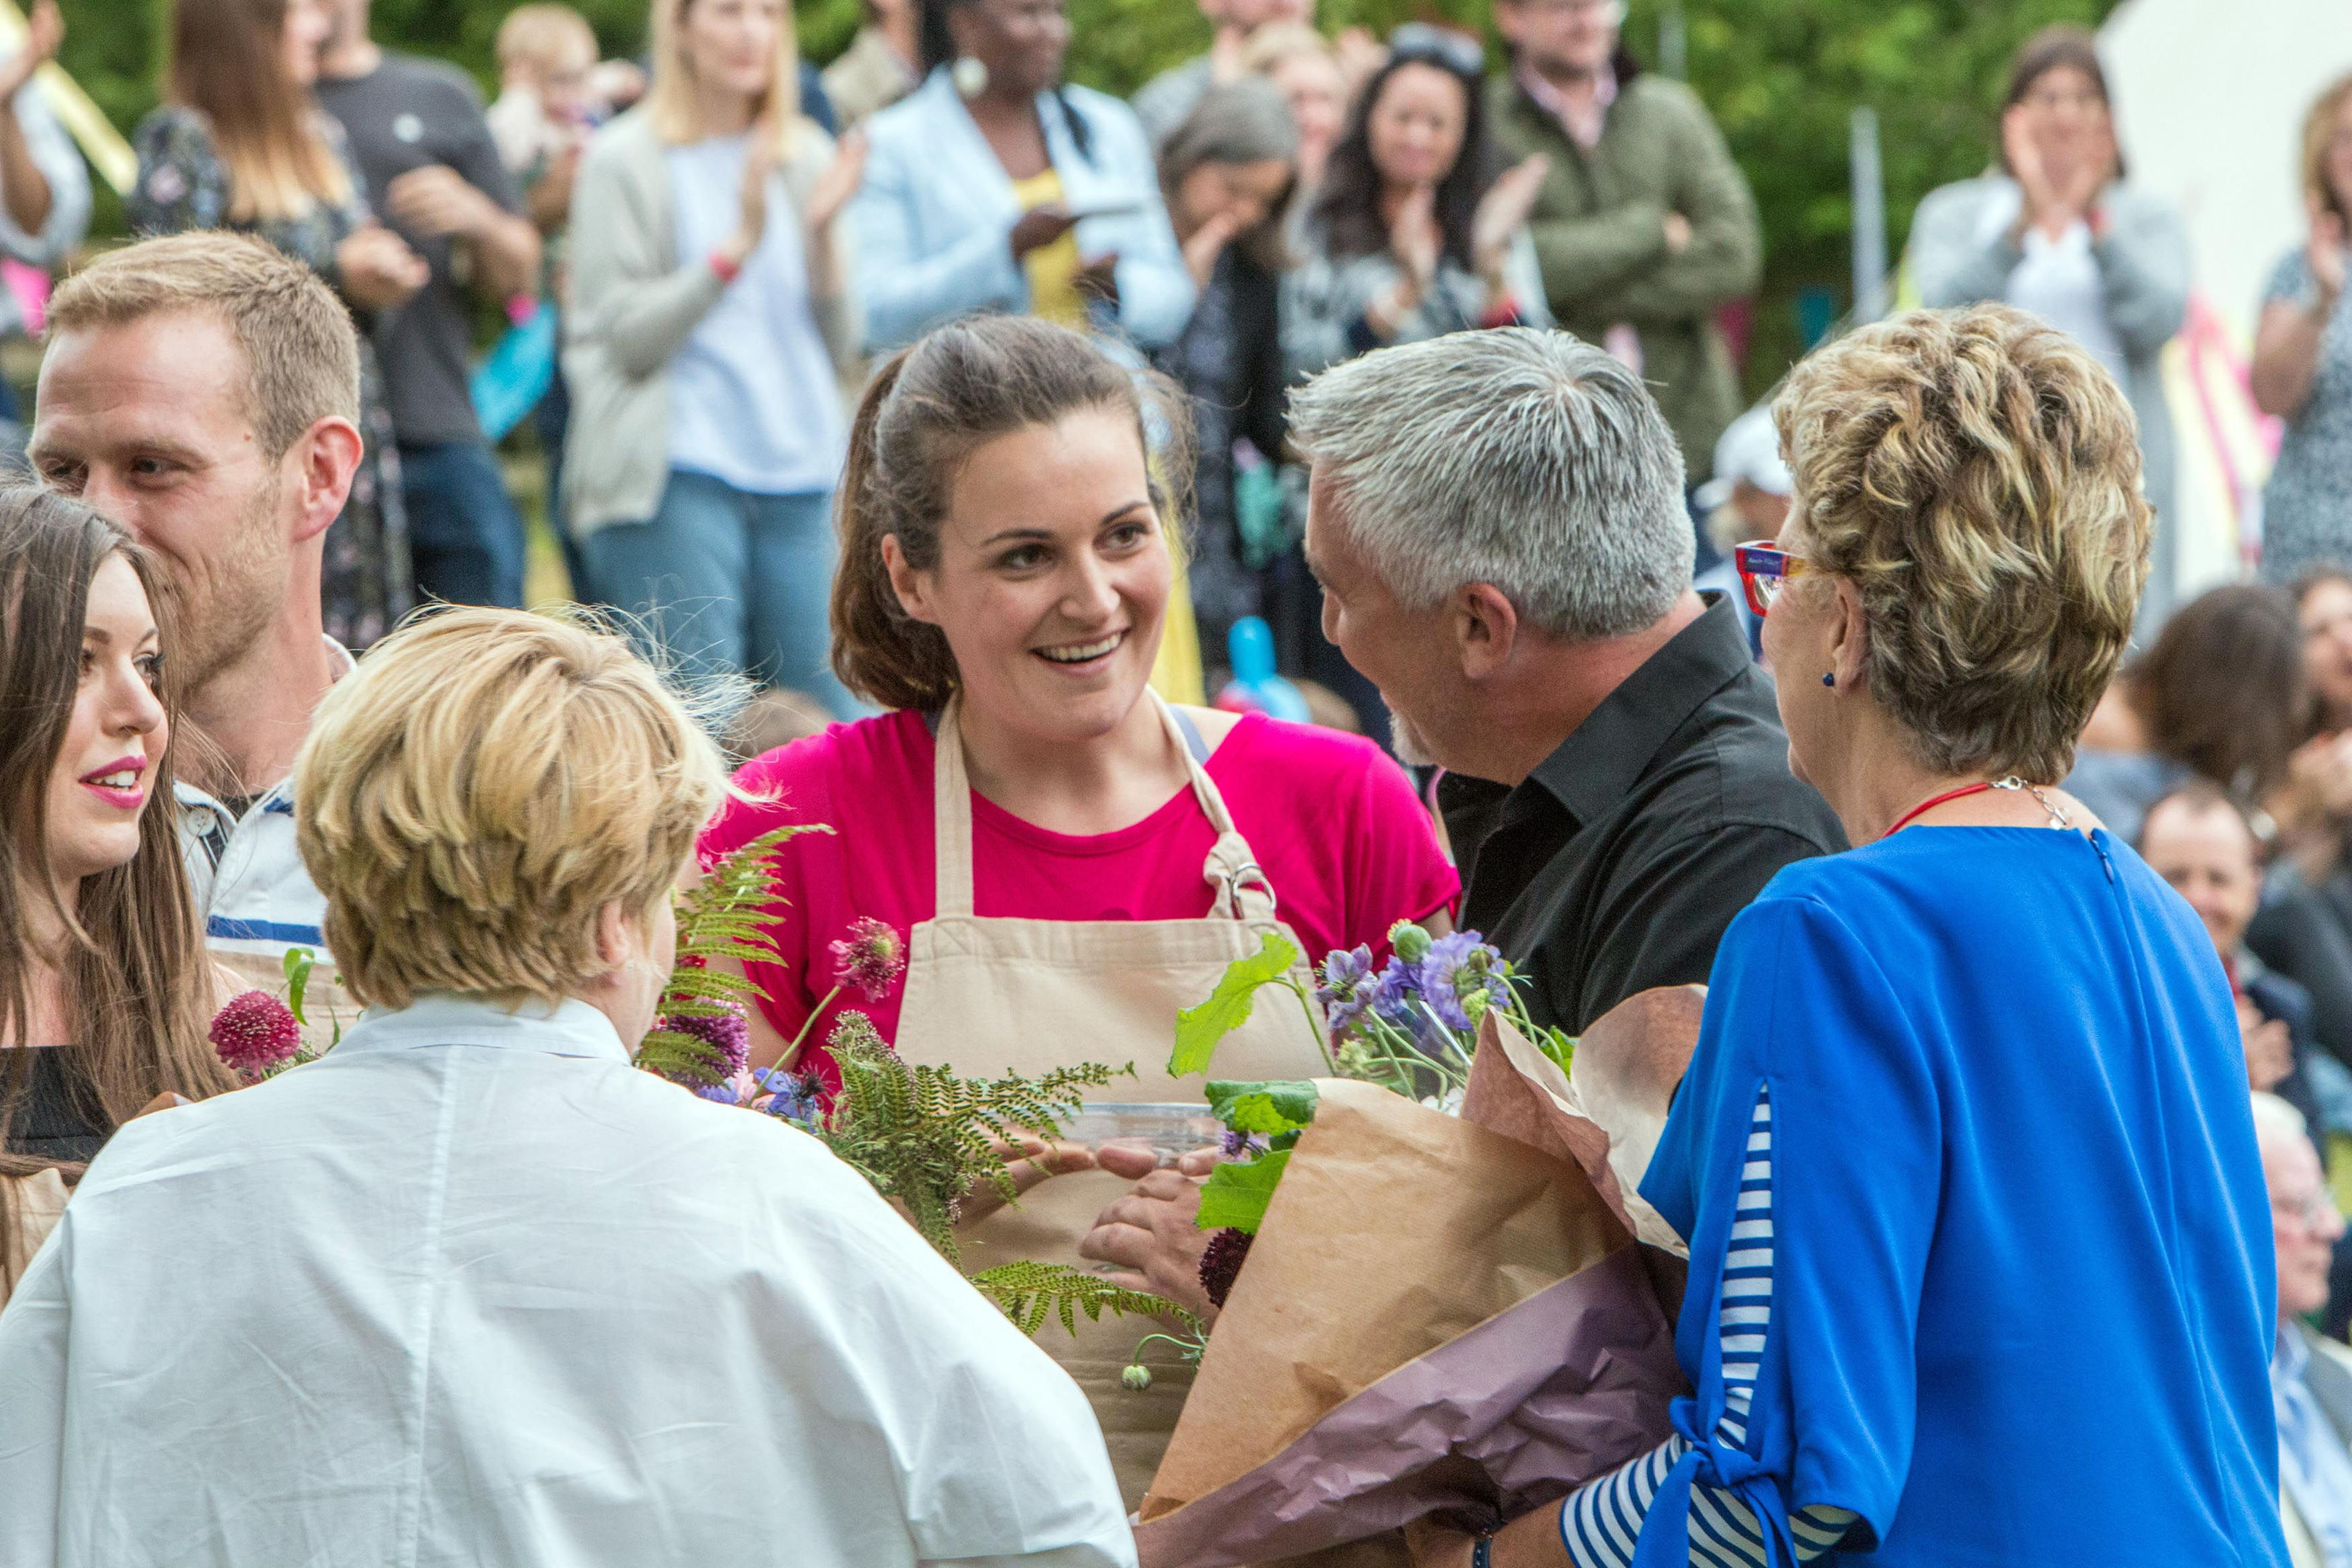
[1751, 450]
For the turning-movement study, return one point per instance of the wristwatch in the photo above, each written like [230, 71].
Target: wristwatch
[1482, 1553]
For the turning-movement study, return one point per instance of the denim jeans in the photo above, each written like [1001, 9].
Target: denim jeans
[464, 533]
[721, 579]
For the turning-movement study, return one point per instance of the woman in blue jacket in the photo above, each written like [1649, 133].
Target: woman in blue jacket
[994, 187]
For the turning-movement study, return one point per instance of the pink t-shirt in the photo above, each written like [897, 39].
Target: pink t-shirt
[1349, 849]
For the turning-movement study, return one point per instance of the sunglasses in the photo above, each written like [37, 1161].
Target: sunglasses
[1457, 52]
[1763, 566]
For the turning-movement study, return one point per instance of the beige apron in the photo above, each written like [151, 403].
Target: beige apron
[988, 996]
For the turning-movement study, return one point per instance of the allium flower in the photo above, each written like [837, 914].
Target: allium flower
[731, 1033]
[254, 1032]
[871, 957]
[1458, 968]
[1221, 1265]
[1346, 986]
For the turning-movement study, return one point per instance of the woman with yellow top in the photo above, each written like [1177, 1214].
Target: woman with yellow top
[994, 187]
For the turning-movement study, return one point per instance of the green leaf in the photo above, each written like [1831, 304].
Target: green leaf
[299, 961]
[1199, 1028]
[1235, 1195]
[1560, 1046]
[1274, 1108]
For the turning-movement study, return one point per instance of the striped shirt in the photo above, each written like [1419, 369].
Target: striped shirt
[1600, 1522]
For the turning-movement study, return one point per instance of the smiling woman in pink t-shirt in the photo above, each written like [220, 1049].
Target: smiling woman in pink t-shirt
[1069, 858]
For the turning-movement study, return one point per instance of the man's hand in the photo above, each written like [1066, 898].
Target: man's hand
[435, 201]
[1152, 1234]
[2270, 1051]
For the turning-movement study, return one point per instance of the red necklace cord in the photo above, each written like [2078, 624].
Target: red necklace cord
[1931, 803]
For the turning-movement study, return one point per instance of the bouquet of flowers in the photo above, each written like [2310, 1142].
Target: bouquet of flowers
[1428, 1301]
[923, 1136]
[259, 1036]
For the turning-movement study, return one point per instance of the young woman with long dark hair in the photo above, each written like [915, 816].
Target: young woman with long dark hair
[104, 989]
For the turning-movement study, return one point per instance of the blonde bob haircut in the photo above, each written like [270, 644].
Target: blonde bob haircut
[1976, 475]
[671, 97]
[480, 788]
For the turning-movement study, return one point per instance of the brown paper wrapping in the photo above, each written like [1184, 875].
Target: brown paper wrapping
[1436, 1313]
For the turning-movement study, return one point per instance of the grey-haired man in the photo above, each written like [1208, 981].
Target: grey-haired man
[1498, 521]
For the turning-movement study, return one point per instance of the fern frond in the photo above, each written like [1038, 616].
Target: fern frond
[1029, 1293]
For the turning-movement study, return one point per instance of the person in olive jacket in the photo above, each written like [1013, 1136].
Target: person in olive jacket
[1644, 225]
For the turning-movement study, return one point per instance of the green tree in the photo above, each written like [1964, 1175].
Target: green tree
[1780, 76]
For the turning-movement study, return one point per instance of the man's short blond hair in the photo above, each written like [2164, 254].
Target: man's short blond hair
[543, 38]
[298, 340]
[1976, 475]
[473, 795]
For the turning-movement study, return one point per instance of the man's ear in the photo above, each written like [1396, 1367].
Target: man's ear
[320, 468]
[907, 582]
[1486, 628]
[1850, 640]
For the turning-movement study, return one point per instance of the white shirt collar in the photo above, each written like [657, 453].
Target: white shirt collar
[573, 1029]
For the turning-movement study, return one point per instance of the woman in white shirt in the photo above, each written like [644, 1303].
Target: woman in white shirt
[474, 1288]
[2056, 229]
[709, 319]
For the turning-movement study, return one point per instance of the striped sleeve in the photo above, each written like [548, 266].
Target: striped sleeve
[1601, 1521]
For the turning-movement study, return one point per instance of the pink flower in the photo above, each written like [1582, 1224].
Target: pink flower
[254, 1033]
[870, 957]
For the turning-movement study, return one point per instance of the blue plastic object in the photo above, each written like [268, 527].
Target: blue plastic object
[516, 373]
[1256, 688]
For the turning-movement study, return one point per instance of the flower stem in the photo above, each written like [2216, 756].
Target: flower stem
[791, 1057]
[1314, 1023]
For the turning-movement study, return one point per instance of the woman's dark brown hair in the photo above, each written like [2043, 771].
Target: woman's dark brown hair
[926, 411]
[2063, 46]
[137, 987]
[228, 64]
[2223, 690]
[1348, 207]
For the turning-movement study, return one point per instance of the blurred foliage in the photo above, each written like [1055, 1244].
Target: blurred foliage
[1781, 76]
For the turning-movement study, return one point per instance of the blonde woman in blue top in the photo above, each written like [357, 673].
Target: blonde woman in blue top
[1979, 1269]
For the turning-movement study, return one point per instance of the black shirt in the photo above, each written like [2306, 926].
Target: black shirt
[1618, 863]
[46, 1121]
[406, 114]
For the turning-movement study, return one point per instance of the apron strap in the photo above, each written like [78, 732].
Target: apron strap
[1242, 890]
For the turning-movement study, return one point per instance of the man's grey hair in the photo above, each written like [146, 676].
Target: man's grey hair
[2277, 1120]
[1526, 459]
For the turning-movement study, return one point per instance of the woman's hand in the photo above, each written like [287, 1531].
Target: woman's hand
[1028, 1162]
[838, 183]
[1207, 244]
[378, 269]
[1502, 213]
[1041, 225]
[1152, 1232]
[45, 30]
[759, 158]
[2323, 251]
[1414, 238]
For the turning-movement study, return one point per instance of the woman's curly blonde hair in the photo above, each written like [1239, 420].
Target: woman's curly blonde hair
[1976, 475]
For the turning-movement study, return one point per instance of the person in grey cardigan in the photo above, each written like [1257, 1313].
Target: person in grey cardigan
[2056, 229]
[709, 319]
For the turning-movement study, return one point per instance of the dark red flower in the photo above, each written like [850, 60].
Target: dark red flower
[1221, 1265]
[253, 1033]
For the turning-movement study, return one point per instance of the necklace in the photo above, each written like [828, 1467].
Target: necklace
[2057, 817]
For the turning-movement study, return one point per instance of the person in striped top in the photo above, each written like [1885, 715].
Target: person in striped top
[1977, 1224]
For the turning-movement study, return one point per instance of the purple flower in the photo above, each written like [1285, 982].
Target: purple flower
[254, 1032]
[871, 957]
[796, 1097]
[1221, 1265]
[1346, 986]
[729, 1034]
[1394, 993]
[1455, 967]
[1238, 1144]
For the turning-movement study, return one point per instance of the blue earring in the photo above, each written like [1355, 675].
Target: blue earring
[1829, 680]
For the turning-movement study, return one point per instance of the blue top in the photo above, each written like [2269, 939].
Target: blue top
[753, 401]
[932, 220]
[2022, 1294]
